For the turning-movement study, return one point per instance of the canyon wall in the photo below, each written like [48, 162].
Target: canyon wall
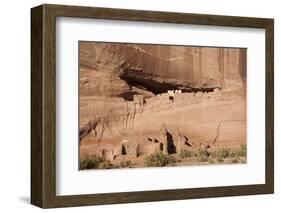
[125, 95]
[194, 67]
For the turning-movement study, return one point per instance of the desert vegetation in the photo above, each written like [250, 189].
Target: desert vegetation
[159, 159]
[95, 162]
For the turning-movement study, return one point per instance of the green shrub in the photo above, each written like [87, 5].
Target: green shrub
[186, 154]
[242, 152]
[159, 159]
[213, 154]
[203, 158]
[203, 152]
[105, 165]
[125, 164]
[95, 162]
[223, 153]
[232, 154]
[203, 155]
[86, 163]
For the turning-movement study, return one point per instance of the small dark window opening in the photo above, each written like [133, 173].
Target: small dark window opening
[161, 147]
[123, 150]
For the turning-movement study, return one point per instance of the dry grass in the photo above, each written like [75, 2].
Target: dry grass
[159, 159]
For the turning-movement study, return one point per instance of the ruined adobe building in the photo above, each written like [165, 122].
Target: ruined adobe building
[126, 107]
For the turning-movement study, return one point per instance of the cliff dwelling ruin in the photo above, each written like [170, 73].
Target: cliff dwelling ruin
[138, 101]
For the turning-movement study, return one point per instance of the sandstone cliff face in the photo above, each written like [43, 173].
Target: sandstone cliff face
[124, 98]
[178, 66]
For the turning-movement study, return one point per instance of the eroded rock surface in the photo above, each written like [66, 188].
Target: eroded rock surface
[140, 99]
